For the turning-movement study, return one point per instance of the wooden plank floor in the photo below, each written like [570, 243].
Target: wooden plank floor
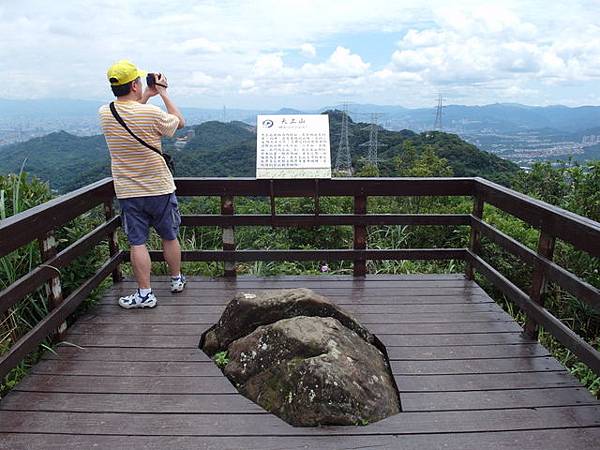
[467, 377]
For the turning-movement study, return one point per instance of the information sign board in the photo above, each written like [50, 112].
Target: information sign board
[293, 146]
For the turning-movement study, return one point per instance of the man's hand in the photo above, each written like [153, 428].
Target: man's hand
[161, 84]
[148, 93]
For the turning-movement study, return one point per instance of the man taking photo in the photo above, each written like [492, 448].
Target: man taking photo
[142, 179]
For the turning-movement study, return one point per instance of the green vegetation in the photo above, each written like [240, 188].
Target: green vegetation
[212, 135]
[577, 189]
[65, 161]
[221, 359]
[464, 159]
[19, 192]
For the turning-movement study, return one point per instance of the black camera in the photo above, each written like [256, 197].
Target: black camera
[156, 79]
[151, 79]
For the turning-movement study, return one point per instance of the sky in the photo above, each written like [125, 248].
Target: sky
[308, 54]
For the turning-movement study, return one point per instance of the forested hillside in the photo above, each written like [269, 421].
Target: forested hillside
[64, 160]
[463, 158]
[229, 150]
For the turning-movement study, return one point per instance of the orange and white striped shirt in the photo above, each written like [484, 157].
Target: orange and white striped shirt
[138, 171]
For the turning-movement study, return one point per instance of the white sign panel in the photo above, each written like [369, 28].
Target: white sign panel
[293, 146]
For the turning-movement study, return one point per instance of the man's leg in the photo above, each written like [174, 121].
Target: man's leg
[136, 226]
[172, 251]
[140, 260]
[166, 223]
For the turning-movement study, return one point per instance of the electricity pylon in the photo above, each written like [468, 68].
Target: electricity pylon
[373, 142]
[343, 162]
[437, 125]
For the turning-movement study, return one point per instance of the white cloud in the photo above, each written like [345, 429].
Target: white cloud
[336, 74]
[308, 50]
[476, 49]
[519, 57]
[342, 59]
[201, 79]
[247, 87]
[268, 65]
[387, 75]
[198, 45]
[341, 63]
[491, 43]
[424, 38]
[414, 60]
[200, 83]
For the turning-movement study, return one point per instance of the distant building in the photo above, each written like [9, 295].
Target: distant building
[181, 142]
[588, 141]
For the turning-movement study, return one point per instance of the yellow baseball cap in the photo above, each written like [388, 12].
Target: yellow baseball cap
[122, 72]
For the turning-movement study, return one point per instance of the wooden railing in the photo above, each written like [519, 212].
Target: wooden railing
[40, 222]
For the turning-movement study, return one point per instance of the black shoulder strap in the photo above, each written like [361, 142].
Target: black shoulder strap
[116, 115]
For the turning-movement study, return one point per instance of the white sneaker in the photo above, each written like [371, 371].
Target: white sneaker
[177, 284]
[135, 300]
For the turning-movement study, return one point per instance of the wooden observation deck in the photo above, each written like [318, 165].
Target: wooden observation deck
[469, 376]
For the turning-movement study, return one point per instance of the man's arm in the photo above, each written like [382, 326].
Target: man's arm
[171, 108]
[147, 94]
[161, 87]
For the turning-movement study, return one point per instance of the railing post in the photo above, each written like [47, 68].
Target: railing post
[539, 283]
[475, 241]
[228, 234]
[53, 286]
[113, 245]
[360, 236]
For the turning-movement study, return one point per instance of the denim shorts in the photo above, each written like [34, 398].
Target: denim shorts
[159, 211]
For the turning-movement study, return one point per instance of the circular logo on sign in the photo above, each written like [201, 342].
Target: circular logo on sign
[267, 123]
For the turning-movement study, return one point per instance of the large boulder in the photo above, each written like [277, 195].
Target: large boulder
[247, 311]
[313, 371]
[304, 359]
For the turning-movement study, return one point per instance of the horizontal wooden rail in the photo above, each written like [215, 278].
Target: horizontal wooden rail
[311, 220]
[317, 255]
[22, 228]
[565, 279]
[34, 279]
[580, 231]
[586, 353]
[32, 339]
[335, 187]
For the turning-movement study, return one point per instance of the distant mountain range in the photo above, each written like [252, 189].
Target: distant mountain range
[500, 117]
[229, 150]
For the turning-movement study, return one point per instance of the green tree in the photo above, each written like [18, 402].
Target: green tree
[545, 182]
[429, 164]
[368, 170]
[405, 161]
[585, 196]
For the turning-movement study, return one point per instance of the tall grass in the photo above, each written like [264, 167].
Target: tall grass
[18, 192]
